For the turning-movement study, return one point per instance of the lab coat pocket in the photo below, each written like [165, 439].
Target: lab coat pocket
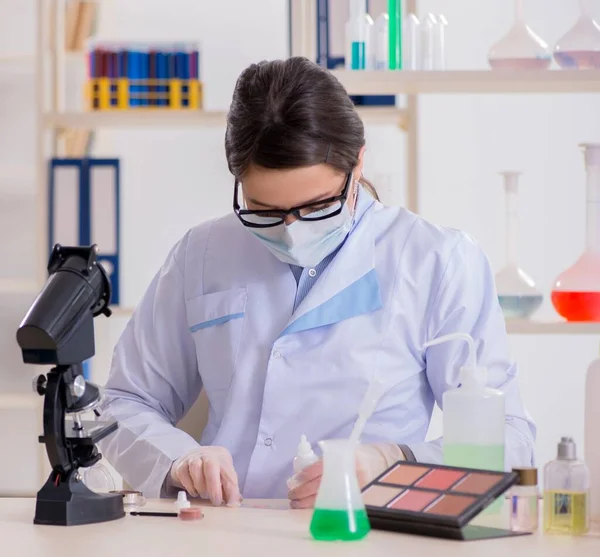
[215, 322]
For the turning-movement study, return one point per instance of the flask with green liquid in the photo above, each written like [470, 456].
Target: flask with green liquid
[339, 509]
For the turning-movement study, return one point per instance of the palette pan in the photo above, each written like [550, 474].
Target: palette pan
[434, 500]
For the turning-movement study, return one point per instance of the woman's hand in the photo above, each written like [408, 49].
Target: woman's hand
[208, 472]
[371, 460]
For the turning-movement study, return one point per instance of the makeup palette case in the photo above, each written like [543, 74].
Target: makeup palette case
[434, 500]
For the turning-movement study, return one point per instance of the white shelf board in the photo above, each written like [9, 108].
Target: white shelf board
[135, 118]
[527, 327]
[186, 118]
[364, 82]
[18, 286]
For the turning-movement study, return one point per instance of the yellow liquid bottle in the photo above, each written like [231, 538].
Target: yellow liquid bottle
[566, 492]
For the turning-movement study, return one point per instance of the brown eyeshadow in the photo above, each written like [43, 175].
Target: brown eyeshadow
[380, 496]
[477, 483]
[451, 505]
[404, 475]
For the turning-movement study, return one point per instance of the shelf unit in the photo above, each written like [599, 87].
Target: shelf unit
[412, 84]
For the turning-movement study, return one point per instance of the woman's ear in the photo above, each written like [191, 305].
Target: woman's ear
[359, 167]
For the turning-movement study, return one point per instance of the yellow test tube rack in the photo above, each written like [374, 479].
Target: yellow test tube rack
[135, 94]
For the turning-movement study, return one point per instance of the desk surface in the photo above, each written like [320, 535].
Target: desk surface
[246, 531]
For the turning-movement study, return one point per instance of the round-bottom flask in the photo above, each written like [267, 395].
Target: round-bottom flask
[520, 48]
[576, 292]
[579, 48]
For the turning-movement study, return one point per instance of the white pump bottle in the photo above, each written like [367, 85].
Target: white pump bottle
[473, 415]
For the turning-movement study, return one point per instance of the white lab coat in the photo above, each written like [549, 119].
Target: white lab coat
[219, 315]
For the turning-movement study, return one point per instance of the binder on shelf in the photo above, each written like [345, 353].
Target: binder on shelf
[83, 208]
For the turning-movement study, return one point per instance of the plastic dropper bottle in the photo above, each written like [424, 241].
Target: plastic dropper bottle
[473, 416]
[305, 456]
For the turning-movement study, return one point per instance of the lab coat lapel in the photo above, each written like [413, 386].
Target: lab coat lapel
[348, 287]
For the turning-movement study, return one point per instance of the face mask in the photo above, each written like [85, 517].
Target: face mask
[306, 243]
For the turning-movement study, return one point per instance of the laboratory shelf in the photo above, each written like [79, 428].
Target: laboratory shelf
[527, 327]
[186, 118]
[468, 82]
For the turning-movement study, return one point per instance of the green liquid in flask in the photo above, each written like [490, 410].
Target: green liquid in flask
[333, 524]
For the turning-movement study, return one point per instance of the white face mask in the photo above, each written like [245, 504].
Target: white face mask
[307, 243]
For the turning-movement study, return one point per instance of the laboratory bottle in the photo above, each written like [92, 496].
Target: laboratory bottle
[576, 292]
[358, 33]
[518, 296]
[395, 35]
[520, 48]
[380, 43]
[524, 505]
[412, 38]
[473, 416]
[305, 456]
[339, 512]
[579, 48]
[566, 492]
[592, 438]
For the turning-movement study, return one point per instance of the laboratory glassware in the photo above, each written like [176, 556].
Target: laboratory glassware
[566, 492]
[395, 35]
[380, 42]
[358, 32]
[576, 292]
[429, 27]
[520, 48]
[517, 294]
[98, 478]
[339, 509]
[579, 48]
[412, 43]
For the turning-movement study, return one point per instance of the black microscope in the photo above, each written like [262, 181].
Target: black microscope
[58, 330]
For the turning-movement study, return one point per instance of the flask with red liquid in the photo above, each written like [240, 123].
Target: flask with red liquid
[576, 293]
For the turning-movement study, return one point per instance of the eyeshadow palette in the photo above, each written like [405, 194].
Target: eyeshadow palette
[435, 500]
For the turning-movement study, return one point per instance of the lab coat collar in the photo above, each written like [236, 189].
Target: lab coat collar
[349, 285]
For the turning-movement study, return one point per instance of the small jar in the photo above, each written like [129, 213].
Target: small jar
[524, 501]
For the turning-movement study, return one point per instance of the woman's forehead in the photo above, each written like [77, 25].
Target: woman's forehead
[288, 188]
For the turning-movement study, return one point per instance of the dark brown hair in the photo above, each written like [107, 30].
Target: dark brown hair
[289, 114]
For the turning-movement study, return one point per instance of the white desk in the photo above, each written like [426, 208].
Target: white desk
[246, 532]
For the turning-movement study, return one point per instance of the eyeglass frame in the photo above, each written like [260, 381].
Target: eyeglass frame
[294, 211]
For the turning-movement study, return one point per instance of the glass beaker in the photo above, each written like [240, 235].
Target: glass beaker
[520, 48]
[517, 294]
[576, 292]
[339, 509]
[579, 48]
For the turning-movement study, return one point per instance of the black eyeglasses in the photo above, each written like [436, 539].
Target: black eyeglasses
[319, 210]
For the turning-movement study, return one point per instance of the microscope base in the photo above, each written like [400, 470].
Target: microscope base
[71, 503]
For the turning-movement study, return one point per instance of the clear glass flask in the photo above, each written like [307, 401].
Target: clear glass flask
[520, 48]
[579, 48]
[339, 509]
[517, 293]
[576, 292]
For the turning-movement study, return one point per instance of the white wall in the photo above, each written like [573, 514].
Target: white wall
[173, 179]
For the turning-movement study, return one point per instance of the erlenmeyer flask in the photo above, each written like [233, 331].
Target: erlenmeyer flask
[579, 49]
[339, 509]
[520, 48]
[576, 293]
[517, 294]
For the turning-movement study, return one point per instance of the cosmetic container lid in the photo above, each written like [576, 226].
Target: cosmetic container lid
[527, 476]
[567, 449]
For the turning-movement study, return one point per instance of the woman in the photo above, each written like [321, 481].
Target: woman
[285, 311]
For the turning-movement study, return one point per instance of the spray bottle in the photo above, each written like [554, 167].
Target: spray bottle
[473, 415]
